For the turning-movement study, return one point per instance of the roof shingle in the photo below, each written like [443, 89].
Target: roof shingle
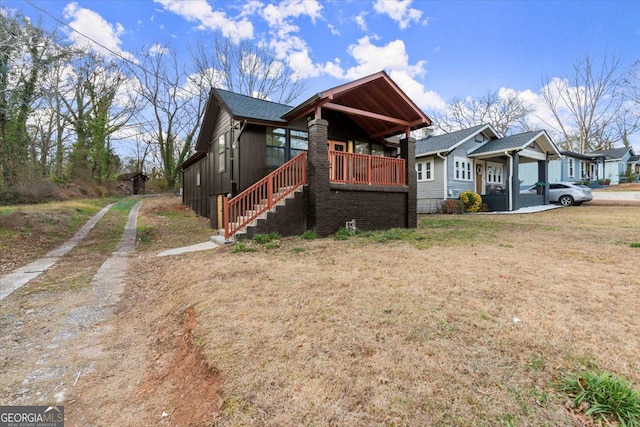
[432, 144]
[246, 107]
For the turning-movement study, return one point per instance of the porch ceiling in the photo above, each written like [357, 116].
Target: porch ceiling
[375, 103]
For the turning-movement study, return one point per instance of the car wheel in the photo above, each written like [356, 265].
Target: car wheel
[566, 200]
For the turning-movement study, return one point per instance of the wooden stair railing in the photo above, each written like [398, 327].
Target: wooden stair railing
[264, 194]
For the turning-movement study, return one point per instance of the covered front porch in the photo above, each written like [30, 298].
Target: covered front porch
[502, 192]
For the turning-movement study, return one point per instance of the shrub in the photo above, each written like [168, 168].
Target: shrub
[309, 235]
[603, 395]
[452, 206]
[265, 238]
[343, 234]
[471, 200]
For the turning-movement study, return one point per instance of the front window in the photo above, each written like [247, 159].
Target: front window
[299, 141]
[583, 169]
[276, 144]
[284, 144]
[462, 169]
[494, 173]
[222, 153]
[570, 168]
[377, 149]
[424, 169]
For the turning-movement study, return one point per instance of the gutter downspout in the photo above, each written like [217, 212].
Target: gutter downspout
[234, 146]
[510, 180]
[444, 158]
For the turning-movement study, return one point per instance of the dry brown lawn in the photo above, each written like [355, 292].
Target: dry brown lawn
[466, 321]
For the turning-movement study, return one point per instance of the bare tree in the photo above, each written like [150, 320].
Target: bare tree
[587, 104]
[506, 112]
[249, 69]
[175, 103]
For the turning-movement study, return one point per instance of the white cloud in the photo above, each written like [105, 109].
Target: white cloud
[88, 26]
[333, 30]
[158, 49]
[428, 100]
[399, 11]
[200, 11]
[277, 15]
[372, 58]
[360, 21]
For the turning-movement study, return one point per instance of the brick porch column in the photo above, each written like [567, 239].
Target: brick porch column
[318, 200]
[408, 152]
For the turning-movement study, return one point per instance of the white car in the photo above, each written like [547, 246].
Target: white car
[566, 193]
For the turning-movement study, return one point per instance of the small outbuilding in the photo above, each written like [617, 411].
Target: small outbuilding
[133, 183]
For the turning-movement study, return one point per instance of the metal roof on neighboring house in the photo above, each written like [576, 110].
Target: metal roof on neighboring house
[246, 107]
[445, 142]
[613, 153]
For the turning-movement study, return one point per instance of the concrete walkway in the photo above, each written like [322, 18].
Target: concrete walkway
[23, 275]
[616, 195]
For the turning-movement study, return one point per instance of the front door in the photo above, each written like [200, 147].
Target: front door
[337, 164]
[479, 177]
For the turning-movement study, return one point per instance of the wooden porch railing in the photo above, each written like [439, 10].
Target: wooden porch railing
[264, 194]
[351, 168]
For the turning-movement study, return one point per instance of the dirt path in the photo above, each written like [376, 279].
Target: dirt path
[70, 327]
[115, 352]
[23, 275]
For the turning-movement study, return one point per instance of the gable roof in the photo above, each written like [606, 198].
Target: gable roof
[449, 141]
[375, 103]
[634, 159]
[516, 142]
[613, 153]
[243, 107]
[240, 107]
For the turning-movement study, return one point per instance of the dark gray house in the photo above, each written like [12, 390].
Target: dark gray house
[261, 166]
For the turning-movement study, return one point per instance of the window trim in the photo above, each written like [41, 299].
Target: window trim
[222, 153]
[465, 166]
[571, 168]
[427, 173]
[489, 177]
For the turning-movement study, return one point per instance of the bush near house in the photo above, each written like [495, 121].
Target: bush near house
[471, 200]
[452, 206]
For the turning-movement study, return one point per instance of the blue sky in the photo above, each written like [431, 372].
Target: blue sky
[435, 50]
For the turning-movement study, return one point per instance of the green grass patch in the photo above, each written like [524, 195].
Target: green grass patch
[634, 245]
[144, 234]
[262, 239]
[242, 247]
[432, 231]
[603, 396]
[309, 235]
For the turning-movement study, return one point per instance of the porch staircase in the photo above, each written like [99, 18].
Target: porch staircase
[244, 212]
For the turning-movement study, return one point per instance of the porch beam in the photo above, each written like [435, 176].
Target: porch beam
[397, 129]
[363, 113]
